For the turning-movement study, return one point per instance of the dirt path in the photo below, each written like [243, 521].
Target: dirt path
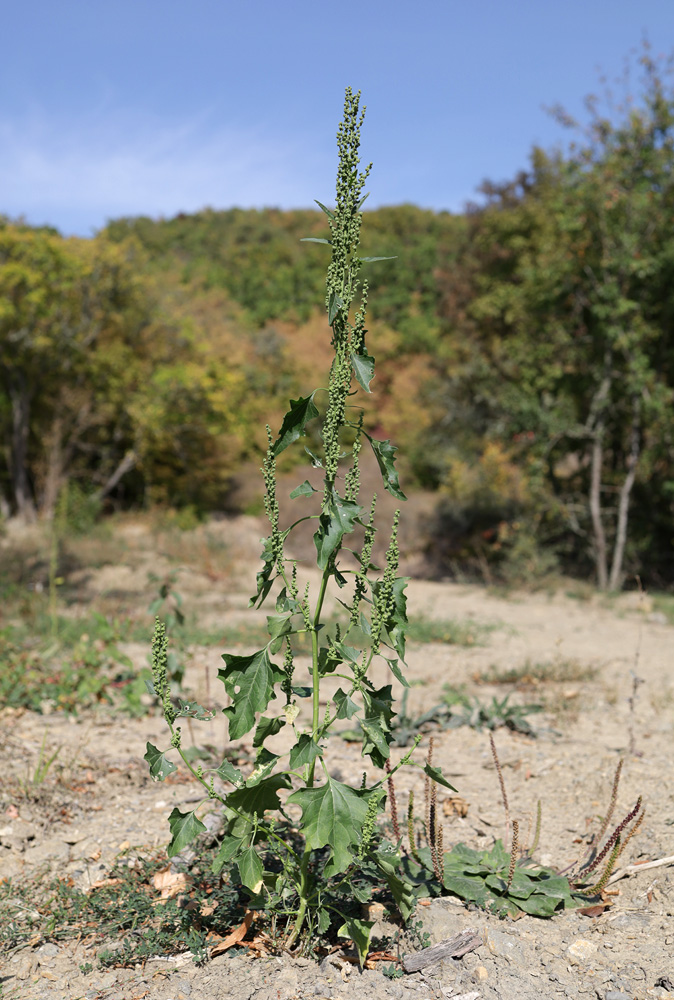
[100, 801]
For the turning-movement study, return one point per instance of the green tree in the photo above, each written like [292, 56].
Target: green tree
[570, 313]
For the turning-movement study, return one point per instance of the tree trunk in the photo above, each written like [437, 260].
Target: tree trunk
[595, 505]
[615, 580]
[20, 399]
[54, 475]
[124, 466]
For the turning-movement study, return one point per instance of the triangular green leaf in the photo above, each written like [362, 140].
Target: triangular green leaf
[384, 453]
[397, 672]
[250, 869]
[338, 520]
[185, 827]
[260, 797]
[363, 369]
[436, 774]
[332, 816]
[249, 681]
[228, 772]
[335, 303]
[294, 424]
[305, 751]
[267, 727]
[264, 576]
[346, 708]
[278, 625]
[160, 765]
[265, 762]
[327, 211]
[359, 932]
[229, 848]
[305, 489]
[192, 710]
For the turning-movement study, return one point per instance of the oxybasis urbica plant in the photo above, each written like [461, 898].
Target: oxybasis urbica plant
[299, 837]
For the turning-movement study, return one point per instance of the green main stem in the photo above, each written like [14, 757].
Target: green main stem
[305, 878]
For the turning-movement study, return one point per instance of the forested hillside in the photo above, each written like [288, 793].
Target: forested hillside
[525, 356]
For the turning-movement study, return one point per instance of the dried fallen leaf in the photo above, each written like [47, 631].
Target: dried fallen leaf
[208, 908]
[170, 883]
[455, 805]
[101, 882]
[596, 910]
[236, 935]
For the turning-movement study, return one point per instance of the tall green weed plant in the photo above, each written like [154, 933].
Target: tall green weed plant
[298, 838]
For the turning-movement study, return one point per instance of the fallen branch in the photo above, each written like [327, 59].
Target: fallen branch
[633, 869]
[455, 947]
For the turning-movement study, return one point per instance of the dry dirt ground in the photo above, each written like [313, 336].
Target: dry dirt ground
[102, 800]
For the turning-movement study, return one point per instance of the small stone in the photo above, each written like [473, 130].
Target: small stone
[49, 949]
[615, 995]
[480, 974]
[581, 951]
[47, 850]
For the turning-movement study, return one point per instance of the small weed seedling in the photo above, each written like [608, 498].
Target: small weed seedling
[304, 844]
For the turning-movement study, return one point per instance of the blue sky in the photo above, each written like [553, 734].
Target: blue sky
[123, 107]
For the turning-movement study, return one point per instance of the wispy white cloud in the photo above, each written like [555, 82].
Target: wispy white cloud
[75, 175]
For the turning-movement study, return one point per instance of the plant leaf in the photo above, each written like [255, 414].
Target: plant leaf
[401, 890]
[265, 762]
[371, 260]
[305, 751]
[304, 490]
[346, 708]
[436, 774]
[327, 211]
[192, 710]
[250, 869]
[363, 369]
[159, 764]
[397, 672]
[314, 239]
[294, 424]
[335, 303]
[338, 520]
[264, 577]
[228, 772]
[184, 828]
[384, 453]
[249, 681]
[267, 727]
[359, 932]
[333, 816]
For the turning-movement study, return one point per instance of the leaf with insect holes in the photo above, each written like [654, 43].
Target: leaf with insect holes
[294, 424]
[185, 827]
[359, 932]
[159, 764]
[249, 681]
[250, 869]
[229, 773]
[338, 520]
[192, 710]
[363, 368]
[333, 816]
